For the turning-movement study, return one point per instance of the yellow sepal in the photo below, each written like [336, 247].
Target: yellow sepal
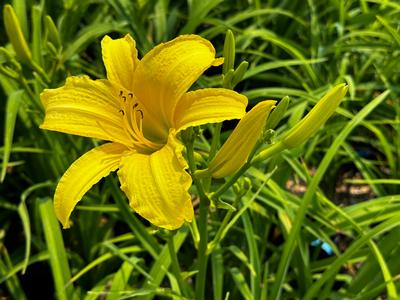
[84, 107]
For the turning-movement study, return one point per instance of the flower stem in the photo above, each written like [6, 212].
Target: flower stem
[215, 141]
[230, 181]
[219, 235]
[202, 257]
[263, 155]
[267, 153]
[175, 266]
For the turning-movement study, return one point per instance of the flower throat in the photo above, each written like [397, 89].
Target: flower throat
[132, 116]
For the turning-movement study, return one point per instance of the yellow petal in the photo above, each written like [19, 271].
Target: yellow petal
[84, 107]
[157, 185]
[165, 74]
[209, 106]
[82, 175]
[120, 59]
[236, 150]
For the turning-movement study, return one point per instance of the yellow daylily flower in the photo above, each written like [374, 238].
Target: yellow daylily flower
[140, 108]
[237, 148]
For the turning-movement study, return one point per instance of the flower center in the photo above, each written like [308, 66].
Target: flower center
[132, 117]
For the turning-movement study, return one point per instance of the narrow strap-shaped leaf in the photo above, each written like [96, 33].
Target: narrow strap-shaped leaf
[120, 281]
[103, 258]
[13, 104]
[255, 280]
[18, 267]
[162, 263]
[13, 284]
[335, 266]
[241, 283]
[311, 190]
[55, 246]
[217, 266]
[24, 216]
[392, 31]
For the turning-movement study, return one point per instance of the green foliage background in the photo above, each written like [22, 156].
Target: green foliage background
[297, 48]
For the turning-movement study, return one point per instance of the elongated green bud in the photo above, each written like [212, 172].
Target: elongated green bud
[316, 118]
[227, 79]
[237, 148]
[278, 113]
[239, 73]
[229, 52]
[52, 32]
[15, 35]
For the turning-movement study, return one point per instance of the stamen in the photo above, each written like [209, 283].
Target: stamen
[141, 123]
[133, 124]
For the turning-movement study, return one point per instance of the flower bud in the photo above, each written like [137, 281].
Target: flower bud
[15, 35]
[52, 32]
[236, 150]
[278, 113]
[316, 118]
[229, 52]
[227, 79]
[239, 73]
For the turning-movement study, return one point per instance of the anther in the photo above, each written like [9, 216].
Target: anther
[124, 97]
[135, 105]
[141, 113]
[122, 112]
[121, 93]
[130, 95]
